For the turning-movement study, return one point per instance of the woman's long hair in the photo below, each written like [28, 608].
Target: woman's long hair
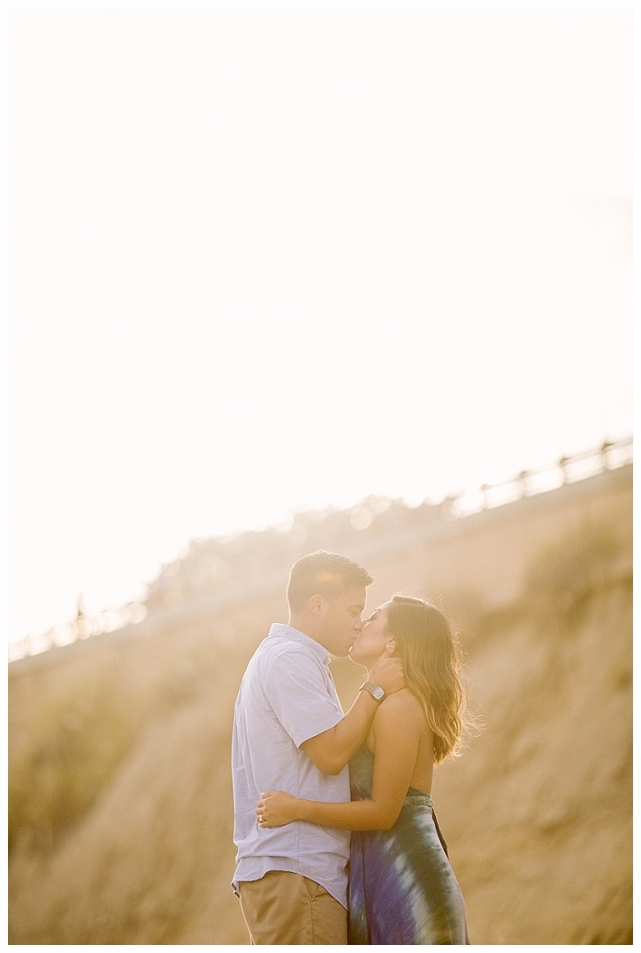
[431, 655]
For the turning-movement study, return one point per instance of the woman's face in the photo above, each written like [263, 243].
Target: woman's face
[373, 638]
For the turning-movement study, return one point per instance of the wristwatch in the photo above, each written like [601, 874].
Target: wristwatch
[377, 692]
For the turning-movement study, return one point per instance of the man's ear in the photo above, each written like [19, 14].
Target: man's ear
[316, 604]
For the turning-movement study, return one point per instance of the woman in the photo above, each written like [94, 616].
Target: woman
[402, 888]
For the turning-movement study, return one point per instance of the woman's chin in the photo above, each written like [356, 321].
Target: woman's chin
[358, 659]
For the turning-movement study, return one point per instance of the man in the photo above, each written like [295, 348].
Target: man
[290, 733]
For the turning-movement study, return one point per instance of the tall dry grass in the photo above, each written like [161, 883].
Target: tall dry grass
[120, 788]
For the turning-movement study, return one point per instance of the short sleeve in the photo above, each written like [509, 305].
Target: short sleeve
[297, 689]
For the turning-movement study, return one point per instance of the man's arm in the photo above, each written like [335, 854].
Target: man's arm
[398, 737]
[332, 749]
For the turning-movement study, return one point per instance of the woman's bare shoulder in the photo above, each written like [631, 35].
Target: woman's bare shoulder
[400, 705]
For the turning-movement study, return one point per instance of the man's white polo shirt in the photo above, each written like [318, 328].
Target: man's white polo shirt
[287, 695]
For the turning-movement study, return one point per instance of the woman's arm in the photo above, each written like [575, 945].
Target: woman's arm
[396, 738]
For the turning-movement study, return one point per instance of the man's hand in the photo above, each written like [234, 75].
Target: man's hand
[331, 750]
[388, 672]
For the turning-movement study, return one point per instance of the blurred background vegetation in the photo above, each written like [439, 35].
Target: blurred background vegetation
[120, 813]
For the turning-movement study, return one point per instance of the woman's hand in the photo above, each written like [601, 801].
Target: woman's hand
[276, 808]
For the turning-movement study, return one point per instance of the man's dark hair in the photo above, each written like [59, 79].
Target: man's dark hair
[327, 574]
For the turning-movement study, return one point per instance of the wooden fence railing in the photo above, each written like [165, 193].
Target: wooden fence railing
[609, 456]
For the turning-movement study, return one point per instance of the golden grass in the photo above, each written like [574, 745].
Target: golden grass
[120, 786]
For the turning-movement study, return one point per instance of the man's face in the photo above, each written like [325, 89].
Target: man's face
[341, 620]
[372, 640]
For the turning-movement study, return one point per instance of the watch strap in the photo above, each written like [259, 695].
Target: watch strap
[377, 692]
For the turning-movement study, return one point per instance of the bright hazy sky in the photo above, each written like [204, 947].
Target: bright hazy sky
[263, 260]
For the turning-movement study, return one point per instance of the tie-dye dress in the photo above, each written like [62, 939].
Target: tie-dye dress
[402, 888]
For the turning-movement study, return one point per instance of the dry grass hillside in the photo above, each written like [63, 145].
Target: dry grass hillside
[120, 791]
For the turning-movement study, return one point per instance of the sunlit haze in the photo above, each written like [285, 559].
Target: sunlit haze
[271, 260]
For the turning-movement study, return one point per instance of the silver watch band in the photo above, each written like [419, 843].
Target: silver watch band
[377, 692]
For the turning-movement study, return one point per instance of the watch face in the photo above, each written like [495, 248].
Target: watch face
[378, 692]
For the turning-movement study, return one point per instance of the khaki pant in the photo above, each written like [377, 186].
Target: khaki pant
[287, 908]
